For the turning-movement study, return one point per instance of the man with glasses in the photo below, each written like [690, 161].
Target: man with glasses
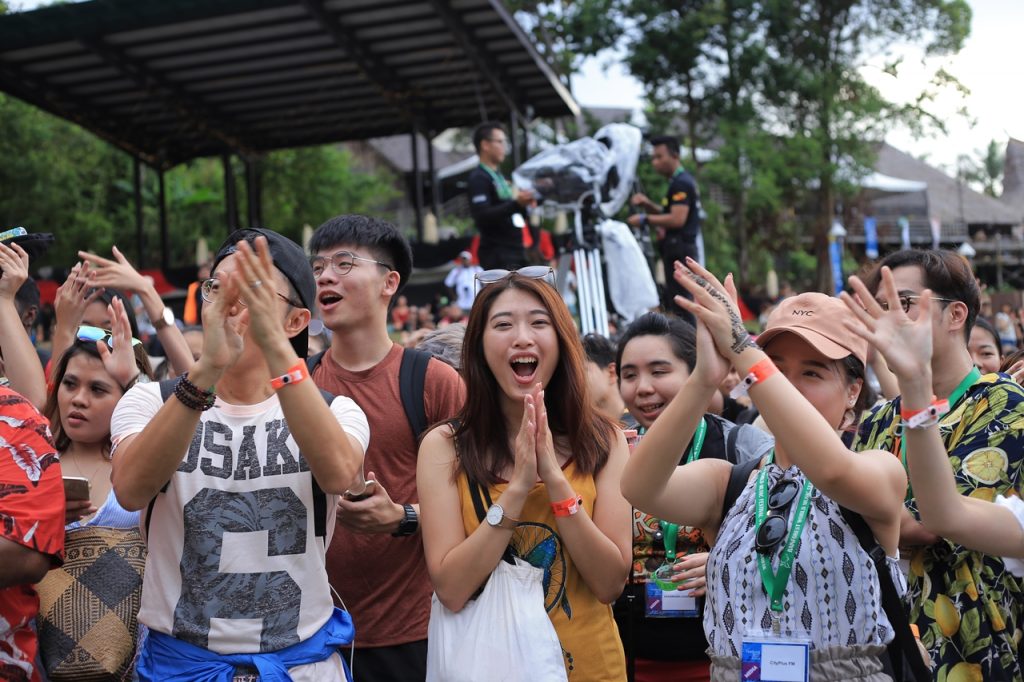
[239, 473]
[376, 560]
[965, 604]
[500, 216]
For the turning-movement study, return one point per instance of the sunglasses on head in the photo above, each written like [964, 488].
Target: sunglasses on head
[775, 526]
[88, 333]
[543, 272]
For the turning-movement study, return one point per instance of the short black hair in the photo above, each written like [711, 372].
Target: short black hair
[107, 297]
[599, 349]
[670, 143]
[681, 336]
[27, 296]
[383, 239]
[483, 132]
[946, 273]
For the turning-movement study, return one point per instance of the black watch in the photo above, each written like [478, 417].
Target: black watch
[408, 525]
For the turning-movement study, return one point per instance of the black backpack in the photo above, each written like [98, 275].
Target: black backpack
[904, 658]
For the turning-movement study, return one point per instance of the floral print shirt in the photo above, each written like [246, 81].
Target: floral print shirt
[967, 606]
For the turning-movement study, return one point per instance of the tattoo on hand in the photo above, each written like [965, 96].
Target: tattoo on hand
[740, 336]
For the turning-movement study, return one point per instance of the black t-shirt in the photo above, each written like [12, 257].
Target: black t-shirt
[682, 189]
[501, 241]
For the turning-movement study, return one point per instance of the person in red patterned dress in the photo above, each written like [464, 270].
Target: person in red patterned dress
[31, 528]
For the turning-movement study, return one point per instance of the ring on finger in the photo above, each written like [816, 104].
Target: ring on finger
[256, 283]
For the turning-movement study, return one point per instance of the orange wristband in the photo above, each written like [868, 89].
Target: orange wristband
[293, 376]
[759, 372]
[567, 507]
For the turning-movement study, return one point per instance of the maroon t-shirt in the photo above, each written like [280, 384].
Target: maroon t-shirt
[382, 579]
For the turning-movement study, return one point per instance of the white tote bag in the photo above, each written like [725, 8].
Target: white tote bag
[504, 635]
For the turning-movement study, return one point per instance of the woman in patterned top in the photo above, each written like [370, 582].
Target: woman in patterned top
[809, 380]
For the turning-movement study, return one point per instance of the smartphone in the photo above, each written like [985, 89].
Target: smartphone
[76, 488]
[367, 491]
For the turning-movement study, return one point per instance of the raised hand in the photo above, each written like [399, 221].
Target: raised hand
[714, 304]
[547, 459]
[711, 368]
[14, 262]
[524, 473]
[256, 286]
[222, 332]
[120, 360]
[906, 344]
[117, 273]
[74, 296]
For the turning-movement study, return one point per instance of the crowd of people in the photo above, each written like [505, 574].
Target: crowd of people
[305, 497]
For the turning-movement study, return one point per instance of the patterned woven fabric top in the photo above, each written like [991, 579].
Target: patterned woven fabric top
[833, 592]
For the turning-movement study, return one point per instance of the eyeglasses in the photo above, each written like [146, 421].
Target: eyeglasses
[88, 333]
[210, 289]
[341, 262]
[486, 277]
[907, 300]
[775, 526]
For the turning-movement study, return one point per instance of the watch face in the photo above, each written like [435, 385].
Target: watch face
[495, 514]
[168, 316]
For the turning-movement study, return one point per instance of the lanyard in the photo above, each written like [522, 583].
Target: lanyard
[670, 531]
[775, 583]
[958, 393]
[504, 191]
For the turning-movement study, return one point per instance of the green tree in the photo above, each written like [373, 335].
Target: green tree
[985, 169]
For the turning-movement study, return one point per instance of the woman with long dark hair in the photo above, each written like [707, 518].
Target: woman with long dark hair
[546, 459]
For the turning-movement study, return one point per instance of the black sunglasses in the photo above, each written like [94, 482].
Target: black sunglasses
[775, 526]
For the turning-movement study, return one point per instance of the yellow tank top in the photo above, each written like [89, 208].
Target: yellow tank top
[588, 634]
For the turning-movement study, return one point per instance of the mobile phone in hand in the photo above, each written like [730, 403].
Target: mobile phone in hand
[366, 492]
[76, 488]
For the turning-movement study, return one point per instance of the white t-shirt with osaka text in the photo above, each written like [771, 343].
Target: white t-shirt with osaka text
[234, 563]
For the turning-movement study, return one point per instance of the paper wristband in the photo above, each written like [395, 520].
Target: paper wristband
[293, 376]
[758, 373]
[567, 507]
[929, 416]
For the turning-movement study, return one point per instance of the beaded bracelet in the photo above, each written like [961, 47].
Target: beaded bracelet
[193, 397]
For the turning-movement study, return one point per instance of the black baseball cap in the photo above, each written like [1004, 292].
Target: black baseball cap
[290, 259]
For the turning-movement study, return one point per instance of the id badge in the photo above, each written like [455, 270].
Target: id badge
[517, 221]
[670, 603]
[775, 659]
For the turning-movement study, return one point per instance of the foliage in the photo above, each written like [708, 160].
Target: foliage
[985, 169]
[59, 178]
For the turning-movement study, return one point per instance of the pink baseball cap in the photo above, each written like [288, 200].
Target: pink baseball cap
[818, 320]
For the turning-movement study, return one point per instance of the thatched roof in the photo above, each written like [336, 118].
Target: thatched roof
[945, 195]
[1013, 176]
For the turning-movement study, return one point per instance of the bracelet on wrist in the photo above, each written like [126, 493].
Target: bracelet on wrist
[193, 397]
[294, 375]
[925, 417]
[567, 507]
[761, 370]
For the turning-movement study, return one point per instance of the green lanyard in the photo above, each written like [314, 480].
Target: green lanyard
[504, 191]
[775, 583]
[670, 531]
[958, 393]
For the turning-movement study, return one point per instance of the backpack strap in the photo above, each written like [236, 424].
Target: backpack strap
[731, 454]
[904, 645]
[738, 478]
[314, 361]
[412, 377]
[319, 496]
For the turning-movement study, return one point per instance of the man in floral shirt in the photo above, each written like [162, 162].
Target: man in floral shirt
[965, 604]
[31, 528]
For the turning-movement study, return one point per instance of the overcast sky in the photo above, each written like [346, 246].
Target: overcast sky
[990, 66]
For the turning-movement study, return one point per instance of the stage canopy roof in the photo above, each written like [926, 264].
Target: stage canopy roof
[172, 80]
